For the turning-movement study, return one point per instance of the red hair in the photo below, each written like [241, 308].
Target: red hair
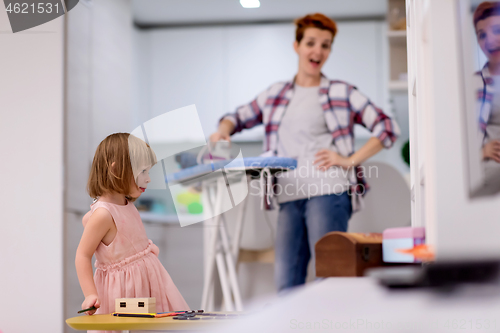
[316, 20]
[485, 10]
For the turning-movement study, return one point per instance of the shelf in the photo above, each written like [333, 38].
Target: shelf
[167, 218]
[398, 85]
[395, 34]
[397, 38]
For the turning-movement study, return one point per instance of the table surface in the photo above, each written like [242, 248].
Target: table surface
[362, 305]
[347, 305]
[110, 322]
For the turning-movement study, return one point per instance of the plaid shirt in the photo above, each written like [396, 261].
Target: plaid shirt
[343, 106]
[484, 98]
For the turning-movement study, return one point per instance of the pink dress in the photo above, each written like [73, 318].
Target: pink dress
[129, 265]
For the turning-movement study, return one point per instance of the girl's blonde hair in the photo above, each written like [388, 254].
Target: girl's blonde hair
[129, 155]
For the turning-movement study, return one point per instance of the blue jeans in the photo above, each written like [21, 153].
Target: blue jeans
[301, 224]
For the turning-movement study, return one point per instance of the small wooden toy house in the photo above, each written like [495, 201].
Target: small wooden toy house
[135, 305]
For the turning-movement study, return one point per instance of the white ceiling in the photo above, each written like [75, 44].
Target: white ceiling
[178, 12]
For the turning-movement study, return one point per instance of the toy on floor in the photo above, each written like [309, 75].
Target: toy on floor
[397, 239]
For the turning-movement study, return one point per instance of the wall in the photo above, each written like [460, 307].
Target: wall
[31, 145]
[221, 67]
[98, 103]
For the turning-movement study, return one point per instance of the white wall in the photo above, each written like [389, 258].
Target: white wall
[219, 68]
[31, 146]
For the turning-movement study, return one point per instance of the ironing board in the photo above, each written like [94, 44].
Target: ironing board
[214, 186]
[251, 165]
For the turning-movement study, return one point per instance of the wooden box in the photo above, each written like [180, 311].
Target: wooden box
[135, 305]
[347, 254]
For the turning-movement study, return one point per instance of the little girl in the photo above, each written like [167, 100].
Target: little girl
[126, 261]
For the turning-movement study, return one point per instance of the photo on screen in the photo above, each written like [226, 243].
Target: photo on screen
[479, 31]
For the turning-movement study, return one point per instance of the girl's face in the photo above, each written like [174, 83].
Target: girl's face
[488, 37]
[139, 186]
[313, 50]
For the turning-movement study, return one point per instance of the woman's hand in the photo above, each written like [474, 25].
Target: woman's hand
[326, 158]
[218, 136]
[226, 127]
[491, 150]
[91, 301]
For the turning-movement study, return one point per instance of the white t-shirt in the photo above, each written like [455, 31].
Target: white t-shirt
[302, 133]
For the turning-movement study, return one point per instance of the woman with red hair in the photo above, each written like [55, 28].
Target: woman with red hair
[311, 118]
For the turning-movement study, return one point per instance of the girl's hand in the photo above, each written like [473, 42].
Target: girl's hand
[218, 136]
[90, 301]
[326, 158]
[491, 150]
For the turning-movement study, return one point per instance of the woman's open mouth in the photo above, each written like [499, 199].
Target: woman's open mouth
[314, 63]
[494, 51]
[142, 189]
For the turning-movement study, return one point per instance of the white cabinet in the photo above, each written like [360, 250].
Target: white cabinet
[417, 102]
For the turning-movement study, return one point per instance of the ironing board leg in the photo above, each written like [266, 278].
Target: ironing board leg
[216, 207]
[209, 273]
[226, 290]
[239, 227]
[233, 279]
[216, 255]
